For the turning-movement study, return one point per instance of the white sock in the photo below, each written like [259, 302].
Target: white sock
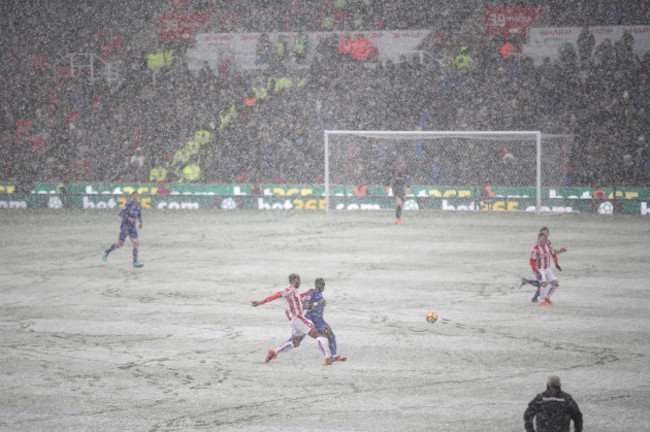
[543, 292]
[288, 345]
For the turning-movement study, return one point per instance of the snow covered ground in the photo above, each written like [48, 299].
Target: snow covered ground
[88, 345]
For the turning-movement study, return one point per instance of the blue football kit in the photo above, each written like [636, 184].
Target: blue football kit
[315, 314]
[131, 210]
[127, 228]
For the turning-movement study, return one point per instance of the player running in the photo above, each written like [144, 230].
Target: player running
[315, 304]
[300, 326]
[535, 282]
[131, 211]
[540, 262]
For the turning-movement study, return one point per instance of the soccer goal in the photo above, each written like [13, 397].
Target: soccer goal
[479, 159]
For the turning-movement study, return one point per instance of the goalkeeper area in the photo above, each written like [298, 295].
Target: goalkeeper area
[175, 345]
[470, 159]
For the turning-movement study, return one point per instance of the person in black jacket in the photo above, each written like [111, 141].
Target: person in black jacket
[553, 410]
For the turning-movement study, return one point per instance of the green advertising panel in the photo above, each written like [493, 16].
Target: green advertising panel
[318, 203]
[23, 201]
[339, 190]
[143, 189]
[311, 198]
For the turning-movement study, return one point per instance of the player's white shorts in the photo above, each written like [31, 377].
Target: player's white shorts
[547, 275]
[300, 326]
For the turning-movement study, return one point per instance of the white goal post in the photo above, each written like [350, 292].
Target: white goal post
[409, 135]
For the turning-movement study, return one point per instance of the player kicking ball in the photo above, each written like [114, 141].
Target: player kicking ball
[300, 326]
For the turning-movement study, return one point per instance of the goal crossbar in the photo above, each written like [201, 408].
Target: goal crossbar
[487, 135]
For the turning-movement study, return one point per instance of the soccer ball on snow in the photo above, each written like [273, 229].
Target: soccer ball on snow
[432, 317]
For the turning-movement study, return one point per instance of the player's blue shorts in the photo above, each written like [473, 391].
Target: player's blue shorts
[319, 323]
[128, 230]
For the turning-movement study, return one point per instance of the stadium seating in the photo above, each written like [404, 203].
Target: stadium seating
[77, 127]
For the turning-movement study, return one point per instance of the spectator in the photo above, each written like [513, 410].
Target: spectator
[586, 43]
[67, 110]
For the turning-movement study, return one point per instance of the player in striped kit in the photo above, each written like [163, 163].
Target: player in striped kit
[300, 326]
[535, 282]
[540, 261]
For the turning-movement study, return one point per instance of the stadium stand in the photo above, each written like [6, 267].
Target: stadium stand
[63, 121]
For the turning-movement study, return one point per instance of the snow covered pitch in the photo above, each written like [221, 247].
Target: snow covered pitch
[175, 345]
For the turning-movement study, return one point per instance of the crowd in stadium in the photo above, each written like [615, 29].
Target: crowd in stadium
[58, 127]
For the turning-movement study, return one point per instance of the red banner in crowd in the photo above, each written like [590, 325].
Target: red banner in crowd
[359, 49]
[510, 20]
[182, 25]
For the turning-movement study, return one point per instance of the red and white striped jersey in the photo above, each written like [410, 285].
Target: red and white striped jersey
[293, 306]
[541, 256]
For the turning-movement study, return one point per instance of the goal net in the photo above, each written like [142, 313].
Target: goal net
[485, 161]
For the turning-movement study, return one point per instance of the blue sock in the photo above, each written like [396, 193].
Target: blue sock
[331, 341]
[135, 255]
[110, 249]
[536, 296]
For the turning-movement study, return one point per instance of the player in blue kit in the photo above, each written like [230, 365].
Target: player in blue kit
[131, 211]
[315, 305]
